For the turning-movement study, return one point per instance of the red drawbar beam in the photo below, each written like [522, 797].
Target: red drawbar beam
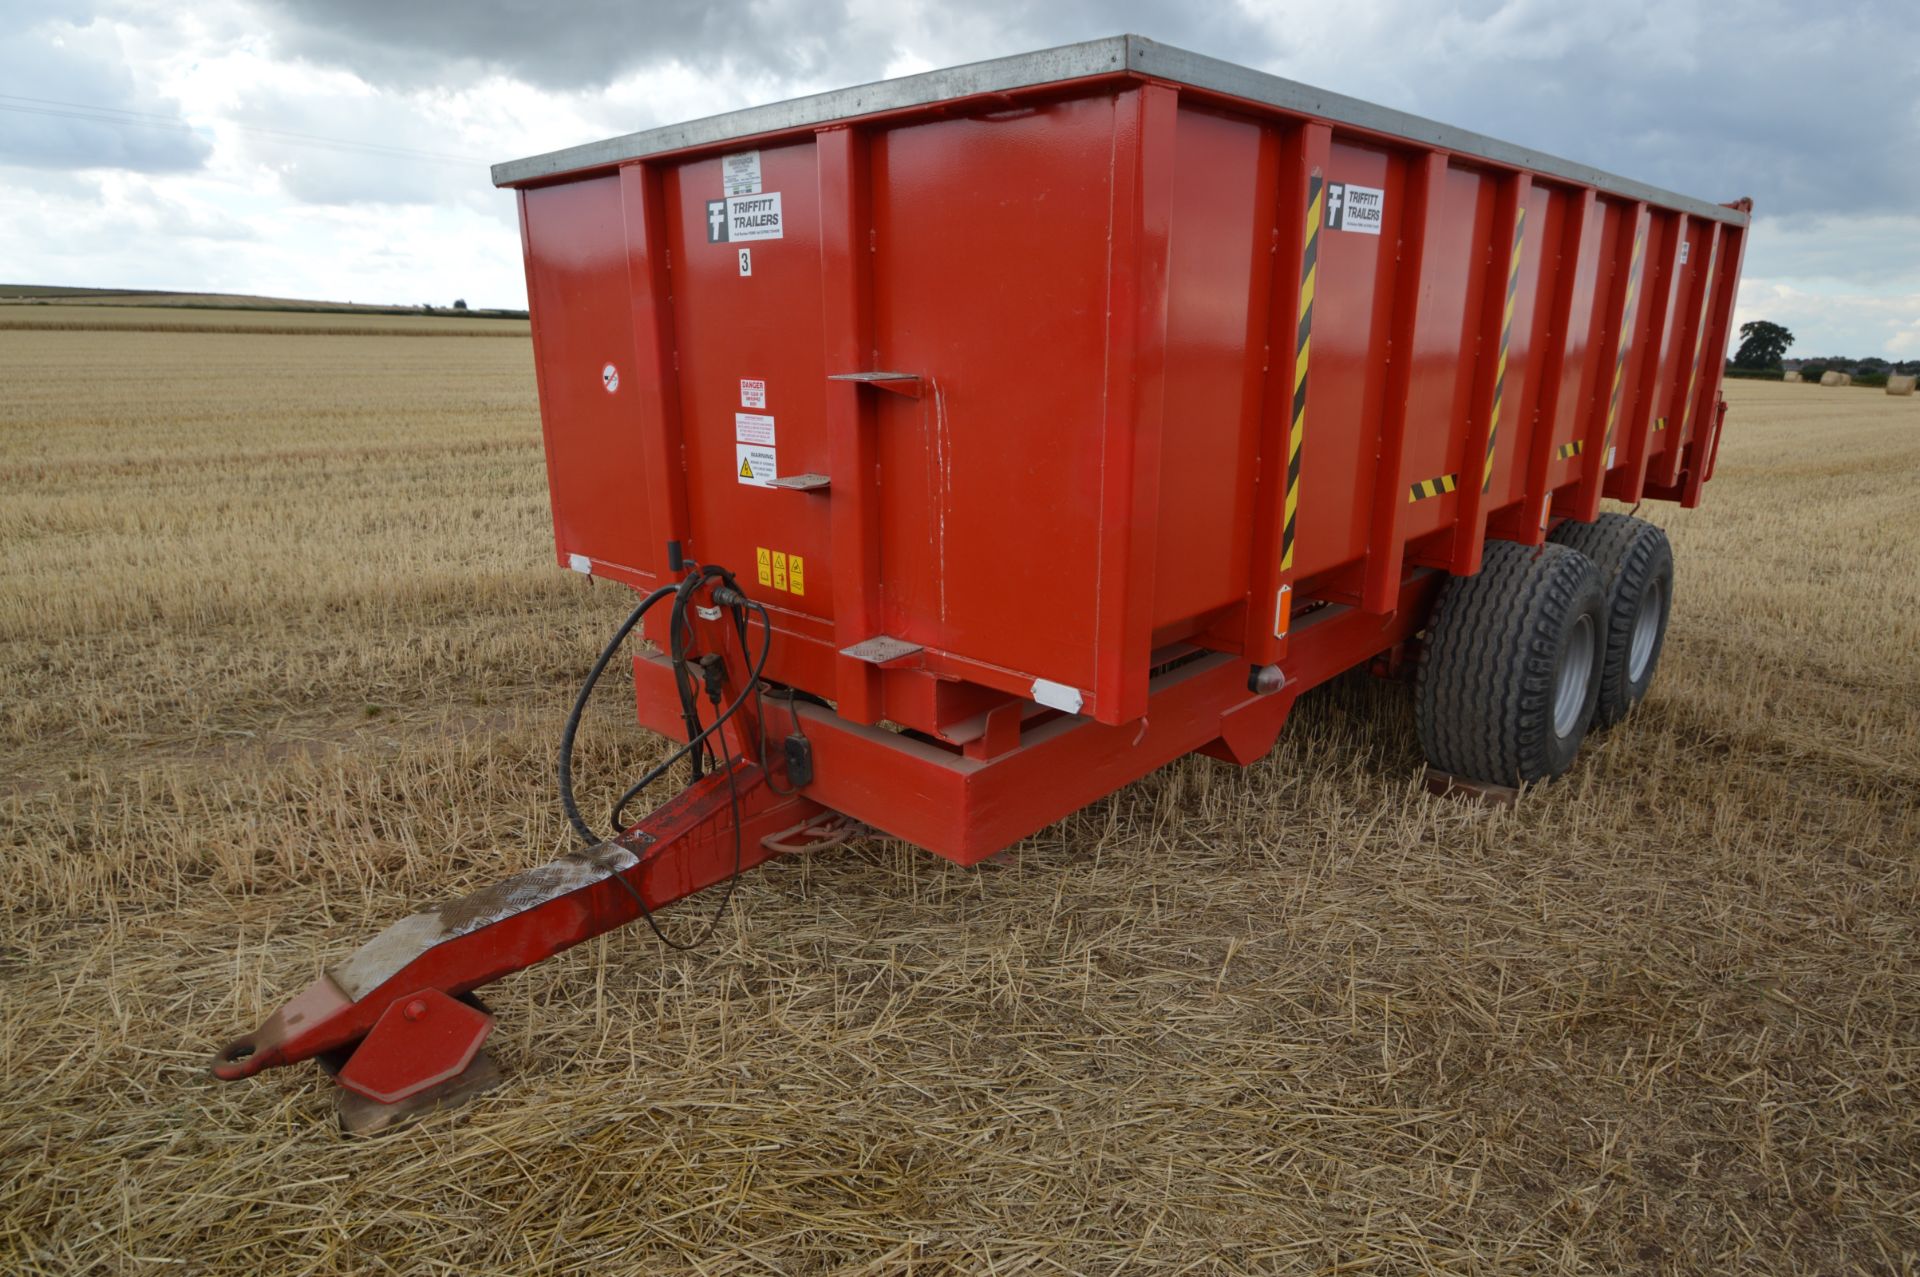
[685, 846]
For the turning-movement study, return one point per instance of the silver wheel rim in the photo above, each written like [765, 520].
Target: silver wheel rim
[1571, 679]
[1646, 628]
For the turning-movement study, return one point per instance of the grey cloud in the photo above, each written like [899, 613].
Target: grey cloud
[1801, 114]
[587, 45]
[405, 159]
[117, 124]
[1803, 117]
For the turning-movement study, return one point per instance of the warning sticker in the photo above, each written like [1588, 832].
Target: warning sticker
[780, 570]
[1684, 246]
[753, 427]
[740, 173]
[1355, 208]
[753, 394]
[744, 217]
[754, 465]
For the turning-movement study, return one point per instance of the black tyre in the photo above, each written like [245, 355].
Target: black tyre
[1636, 570]
[1510, 670]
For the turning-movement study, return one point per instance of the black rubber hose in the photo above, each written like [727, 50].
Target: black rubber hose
[679, 631]
[567, 802]
[733, 707]
[679, 634]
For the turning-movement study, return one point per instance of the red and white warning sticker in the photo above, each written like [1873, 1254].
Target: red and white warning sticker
[753, 392]
[753, 427]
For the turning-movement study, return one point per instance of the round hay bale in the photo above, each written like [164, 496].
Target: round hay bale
[1898, 385]
[1832, 378]
[1792, 376]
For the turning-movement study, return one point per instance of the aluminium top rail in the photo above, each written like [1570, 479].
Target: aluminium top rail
[1109, 56]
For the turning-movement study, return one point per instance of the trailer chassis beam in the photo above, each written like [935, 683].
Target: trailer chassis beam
[968, 806]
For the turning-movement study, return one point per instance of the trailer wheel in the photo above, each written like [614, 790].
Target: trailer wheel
[1636, 569]
[1510, 670]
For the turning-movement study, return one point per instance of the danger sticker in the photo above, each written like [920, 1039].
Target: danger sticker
[740, 173]
[754, 465]
[753, 394]
[1355, 208]
[753, 427]
[744, 217]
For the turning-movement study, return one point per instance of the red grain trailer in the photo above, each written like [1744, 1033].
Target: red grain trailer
[991, 437]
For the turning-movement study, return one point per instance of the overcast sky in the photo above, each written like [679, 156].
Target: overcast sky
[339, 150]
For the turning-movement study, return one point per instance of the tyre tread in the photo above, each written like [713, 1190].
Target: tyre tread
[1485, 690]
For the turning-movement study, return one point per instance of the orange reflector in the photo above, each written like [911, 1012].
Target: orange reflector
[1282, 611]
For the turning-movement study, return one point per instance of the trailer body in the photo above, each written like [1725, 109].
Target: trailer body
[1164, 360]
[1053, 418]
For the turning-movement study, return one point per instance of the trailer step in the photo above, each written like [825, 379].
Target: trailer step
[900, 383]
[882, 650]
[802, 482]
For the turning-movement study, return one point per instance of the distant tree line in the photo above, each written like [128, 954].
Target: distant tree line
[1763, 348]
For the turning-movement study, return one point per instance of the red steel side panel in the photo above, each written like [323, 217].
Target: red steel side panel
[578, 294]
[762, 328]
[1346, 389]
[990, 274]
[1138, 368]
[1223, 215]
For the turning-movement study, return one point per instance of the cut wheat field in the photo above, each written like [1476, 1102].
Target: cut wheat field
[285, 655]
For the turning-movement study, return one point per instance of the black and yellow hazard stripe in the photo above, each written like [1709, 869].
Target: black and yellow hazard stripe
[1297, 435]
[1506, 339]
[1626, 338]
[1432, 487]
[1569, 450]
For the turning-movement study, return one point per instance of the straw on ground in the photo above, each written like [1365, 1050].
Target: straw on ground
[283, 655]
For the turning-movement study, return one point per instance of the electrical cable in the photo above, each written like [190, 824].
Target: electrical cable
[661, 768]
[567, 803]
[680, 636]
[759, 709]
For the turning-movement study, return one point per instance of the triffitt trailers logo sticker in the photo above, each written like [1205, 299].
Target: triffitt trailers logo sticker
[744, 217]
[1355, 208]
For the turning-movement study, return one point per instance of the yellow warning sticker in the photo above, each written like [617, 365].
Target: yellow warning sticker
[779, 569]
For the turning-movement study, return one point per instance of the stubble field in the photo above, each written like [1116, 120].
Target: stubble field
[283, 655]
